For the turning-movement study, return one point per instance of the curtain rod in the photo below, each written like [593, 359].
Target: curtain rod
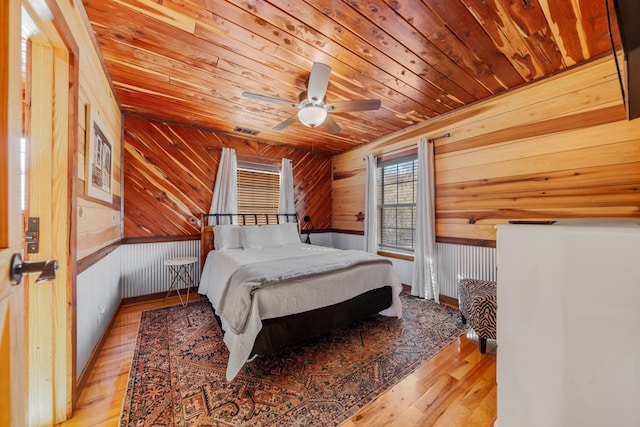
[241, 156]
[430, 140]
[446, 135]
[244, 155]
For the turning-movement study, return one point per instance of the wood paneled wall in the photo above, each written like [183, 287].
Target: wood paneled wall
[98, 222]
[560, 148]
[170, 170]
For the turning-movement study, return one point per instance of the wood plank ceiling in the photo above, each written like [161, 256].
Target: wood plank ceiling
[188, 61]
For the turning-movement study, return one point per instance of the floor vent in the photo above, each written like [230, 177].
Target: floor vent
[247, 131]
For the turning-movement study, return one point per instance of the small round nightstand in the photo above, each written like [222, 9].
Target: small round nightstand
[181, 270]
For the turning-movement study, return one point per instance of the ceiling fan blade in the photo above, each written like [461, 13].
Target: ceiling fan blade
[270, 99]
[331, 125]
[345, 106]
[318, 82]
[291, 120]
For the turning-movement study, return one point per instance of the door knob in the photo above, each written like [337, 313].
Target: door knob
[19, 268]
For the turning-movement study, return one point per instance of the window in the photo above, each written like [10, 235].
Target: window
[397, 191]
[258, 189]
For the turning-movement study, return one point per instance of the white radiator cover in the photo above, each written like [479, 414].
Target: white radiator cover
[454, 262]
[457, 262]
[143, 269]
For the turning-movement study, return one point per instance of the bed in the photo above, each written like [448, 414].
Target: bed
[269, 290]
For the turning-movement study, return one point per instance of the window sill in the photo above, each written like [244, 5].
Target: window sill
[396, 255]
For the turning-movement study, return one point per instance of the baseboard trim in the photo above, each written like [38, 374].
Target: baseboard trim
[86, 372]
[450, 301]
[159, 295]
[444, 299]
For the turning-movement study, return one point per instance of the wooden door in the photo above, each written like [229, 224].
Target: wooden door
[36, 341]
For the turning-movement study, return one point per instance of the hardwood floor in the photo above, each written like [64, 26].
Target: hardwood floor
[456, 387]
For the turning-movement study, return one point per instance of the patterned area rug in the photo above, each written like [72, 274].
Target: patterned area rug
[177, 376]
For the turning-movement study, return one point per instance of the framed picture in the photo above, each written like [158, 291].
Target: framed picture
[98, 158]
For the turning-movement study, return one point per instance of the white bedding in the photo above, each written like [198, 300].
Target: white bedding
[299, 291]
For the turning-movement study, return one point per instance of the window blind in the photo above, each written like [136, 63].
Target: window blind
[258, 192]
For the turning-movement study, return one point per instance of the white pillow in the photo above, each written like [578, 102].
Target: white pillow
[289, 233]
[252, 237]
[227, 237]
[261, 236]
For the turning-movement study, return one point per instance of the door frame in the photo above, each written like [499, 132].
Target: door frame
[58, 234]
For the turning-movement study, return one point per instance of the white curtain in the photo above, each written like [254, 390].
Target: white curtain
[286, 204]
[423, 283]
[370, 206]
[225, 190]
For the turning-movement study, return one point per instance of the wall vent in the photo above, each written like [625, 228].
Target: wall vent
[245, 130]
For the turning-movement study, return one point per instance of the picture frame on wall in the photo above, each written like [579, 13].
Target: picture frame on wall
[98, 158]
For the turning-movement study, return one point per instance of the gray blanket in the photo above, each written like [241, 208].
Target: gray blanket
[235, 303]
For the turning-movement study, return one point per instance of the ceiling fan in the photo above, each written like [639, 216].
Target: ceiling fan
[312, 109]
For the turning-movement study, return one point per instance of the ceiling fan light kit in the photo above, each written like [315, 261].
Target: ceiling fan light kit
[312, 110]
[312, 116]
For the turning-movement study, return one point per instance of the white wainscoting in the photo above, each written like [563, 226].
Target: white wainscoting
[320, 239]
[130, 270]
[143, 270]
[455, 262]
[97, 299]
[348, 241]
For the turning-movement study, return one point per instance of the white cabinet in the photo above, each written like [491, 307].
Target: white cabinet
[569, 324]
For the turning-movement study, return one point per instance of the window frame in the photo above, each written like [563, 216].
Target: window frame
[410, 158]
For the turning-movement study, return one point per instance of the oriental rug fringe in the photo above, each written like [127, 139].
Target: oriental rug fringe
[177, 376]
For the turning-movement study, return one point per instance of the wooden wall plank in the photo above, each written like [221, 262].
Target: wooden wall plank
[170, 174]
[560, 148]
[602, 197]
[594, 177]
[88, 242]
[620, 153]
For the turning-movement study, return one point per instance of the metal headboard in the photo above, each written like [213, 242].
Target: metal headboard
[252, 219]
[206, 230]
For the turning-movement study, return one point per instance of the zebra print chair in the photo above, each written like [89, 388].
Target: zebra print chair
[478, 304]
